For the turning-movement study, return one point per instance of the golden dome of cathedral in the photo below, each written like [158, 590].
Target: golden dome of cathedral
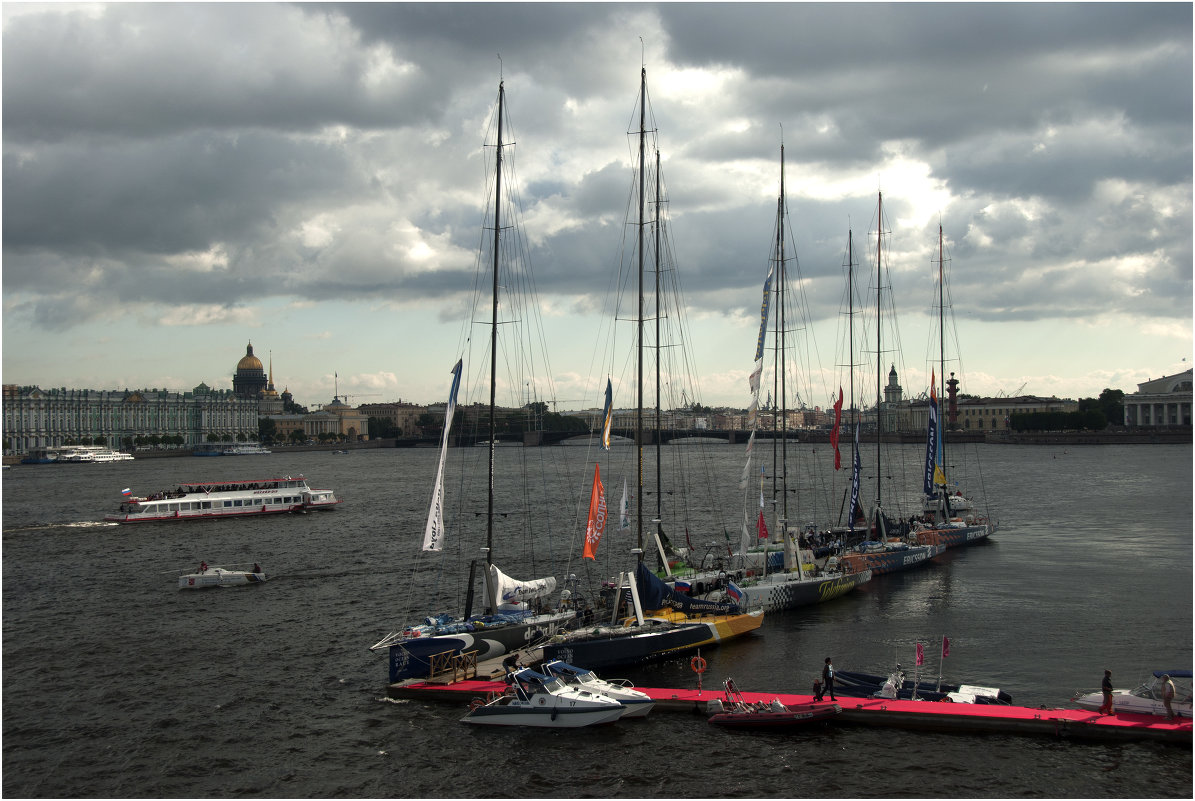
[249, 361]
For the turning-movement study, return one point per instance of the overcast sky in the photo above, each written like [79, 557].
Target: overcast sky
[182, 179]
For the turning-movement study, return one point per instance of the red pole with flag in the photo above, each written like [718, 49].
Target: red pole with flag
[834, 431]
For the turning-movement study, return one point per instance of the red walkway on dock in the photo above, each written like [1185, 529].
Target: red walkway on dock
[924, 715]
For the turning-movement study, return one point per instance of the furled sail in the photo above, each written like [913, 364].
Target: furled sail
[433, 534]
[511, 594]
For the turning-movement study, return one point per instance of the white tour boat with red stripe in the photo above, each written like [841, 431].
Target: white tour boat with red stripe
[224, 499]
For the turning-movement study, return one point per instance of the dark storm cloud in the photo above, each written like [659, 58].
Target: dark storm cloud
[226, 152]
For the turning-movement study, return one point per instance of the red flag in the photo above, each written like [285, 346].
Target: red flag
[597, 516]
[945, 647]
[761, 528]
[834, 431]
[920, 655]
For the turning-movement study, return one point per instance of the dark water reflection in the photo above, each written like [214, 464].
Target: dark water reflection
[115, 684]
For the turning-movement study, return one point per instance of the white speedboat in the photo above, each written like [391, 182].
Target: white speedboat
[1145, 699]
[224, 499]
[637, 702]
[533, 699]
[219, 577]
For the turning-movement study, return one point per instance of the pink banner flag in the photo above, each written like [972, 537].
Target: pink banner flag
[920, 655]
[945, 647]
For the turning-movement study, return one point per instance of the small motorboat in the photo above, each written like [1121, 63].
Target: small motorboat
[637, 702]
[534, 699]
[897, 686]
[219, 577]
[735, 711]
[1145, 699]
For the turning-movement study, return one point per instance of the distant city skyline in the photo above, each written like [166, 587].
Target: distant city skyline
[181, 179]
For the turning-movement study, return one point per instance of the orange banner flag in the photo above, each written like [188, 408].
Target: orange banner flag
[596, 526]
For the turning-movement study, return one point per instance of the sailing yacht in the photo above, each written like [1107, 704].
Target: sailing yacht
[949, 517]
[515, 614]
[883, 544]
[644, 618]
[798, 581]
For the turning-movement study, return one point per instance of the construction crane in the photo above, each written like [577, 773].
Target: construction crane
[361, 395]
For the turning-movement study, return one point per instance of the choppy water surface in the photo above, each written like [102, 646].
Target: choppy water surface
[117, 684]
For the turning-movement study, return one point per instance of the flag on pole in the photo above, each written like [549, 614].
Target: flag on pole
[608, 415]
[854, 510]
[920, 655]
[761, 528]
[933, 443]
[763, 313]
[433, 534]
[597, 515]
[126, 491]
[834, 431]
[945, 646]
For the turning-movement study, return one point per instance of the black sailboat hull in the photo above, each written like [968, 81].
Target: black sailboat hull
[625, 649]
[411, 657]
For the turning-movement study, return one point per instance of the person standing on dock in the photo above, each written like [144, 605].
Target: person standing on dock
[1168, 695]
[1106, 686]
[828, 679]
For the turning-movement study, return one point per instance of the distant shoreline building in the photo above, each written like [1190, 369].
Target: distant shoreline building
[400, 415]
[36, 418]
[1160, 402]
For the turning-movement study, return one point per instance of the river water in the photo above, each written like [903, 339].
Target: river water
[118, 685]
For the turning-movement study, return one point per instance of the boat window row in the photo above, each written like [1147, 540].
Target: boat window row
[190, 506]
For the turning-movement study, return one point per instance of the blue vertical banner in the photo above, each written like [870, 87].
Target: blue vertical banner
[857, 467]
[608, 415]
[931, 439]
[763, 314]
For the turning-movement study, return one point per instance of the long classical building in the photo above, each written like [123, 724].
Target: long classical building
[1160, 402]
[36, 418]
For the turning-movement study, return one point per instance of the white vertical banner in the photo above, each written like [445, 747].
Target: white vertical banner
[433, 534]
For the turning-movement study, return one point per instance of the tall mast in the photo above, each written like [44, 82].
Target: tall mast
[941, 343]
[783, 274]
[489, 521]
[850, 291]
[777, 354]
[659, 475]
[782, 323]
[879, 352]
[639, 403]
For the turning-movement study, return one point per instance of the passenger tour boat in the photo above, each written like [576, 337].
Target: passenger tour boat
[224, 499]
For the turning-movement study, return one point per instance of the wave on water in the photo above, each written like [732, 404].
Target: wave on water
[43, 526]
